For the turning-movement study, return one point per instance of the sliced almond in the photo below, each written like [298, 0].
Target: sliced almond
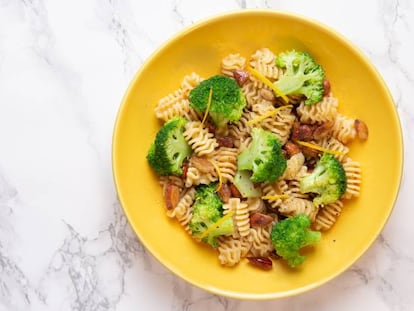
[203, 165]
[263, 263]
[326, 87]
[235, 192]
[260, 220]
[361, 129]
[224, 193]
[323, 130]
[267, 94]
[291, 148]
[241, 76]
[302, 131]
[225, 141]
[171, 196]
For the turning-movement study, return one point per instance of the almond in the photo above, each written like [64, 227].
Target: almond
[263, 263]
[171, 196]
[361, 129]
[203, 165]
[260, 220]
[241, 76]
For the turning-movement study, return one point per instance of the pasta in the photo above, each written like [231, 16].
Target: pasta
[232, 62]
[264, 61]
[199, 138]
[241, 216]
[332, 143]
[226, 159]
[294, 206]
[353, 176]
[183, 206]
[195, 177]
[231, 250]
[276, 190]
[328, 215]
[344, 129]
[323, 111]
[305, 133]
[280, 125]
[176, 103]
[261, 244]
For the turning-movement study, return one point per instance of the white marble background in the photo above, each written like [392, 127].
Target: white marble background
[64, 241]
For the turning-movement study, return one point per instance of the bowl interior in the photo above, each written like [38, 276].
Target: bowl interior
[200, 48]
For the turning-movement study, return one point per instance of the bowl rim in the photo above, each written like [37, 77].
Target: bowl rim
[239, 13]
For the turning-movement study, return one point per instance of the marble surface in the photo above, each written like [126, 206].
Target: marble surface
[64, 241]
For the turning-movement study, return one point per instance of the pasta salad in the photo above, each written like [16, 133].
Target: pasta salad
[255, 156]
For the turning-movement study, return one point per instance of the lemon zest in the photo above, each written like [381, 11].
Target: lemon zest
[267, 114]
[220, 177]
[275, 197]
[210, 97]
[216, 224]
[269, 83]
[317, 147]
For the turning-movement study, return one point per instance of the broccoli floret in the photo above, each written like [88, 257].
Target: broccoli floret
[328, 180]
[169, 150]
[227, 101]
[245, 185]
[290, 235]
[263, 157]
[207, 210]
[302, 76]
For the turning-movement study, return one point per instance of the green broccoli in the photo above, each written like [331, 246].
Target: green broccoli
[207, 210]
[263, 157]
[302, 76]
[170, 149]
[290, 235]
[328, 180]
[227, 100]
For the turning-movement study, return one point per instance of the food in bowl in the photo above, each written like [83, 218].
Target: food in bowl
[200, 48]
[254, 160]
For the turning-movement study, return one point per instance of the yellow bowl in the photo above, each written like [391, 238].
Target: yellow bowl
[361, 93]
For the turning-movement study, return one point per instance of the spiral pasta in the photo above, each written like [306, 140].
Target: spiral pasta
[261, 242]
[240, 131]
[343, 128]
[231, 250]
[328, 215]
[172, 105]
[294, 206]
[226, 160]
[189, 82]
[231, 63]
[263, 60]
[256, 205]
[276, 189]
[251, 91]
[183, 211]
[241, 217]
[333, 144]
[294, 190]
[201, 141]
[280, 125]
[183, 205]
[353, 178]
[172, 179]
[195, 177]
[325, 110]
